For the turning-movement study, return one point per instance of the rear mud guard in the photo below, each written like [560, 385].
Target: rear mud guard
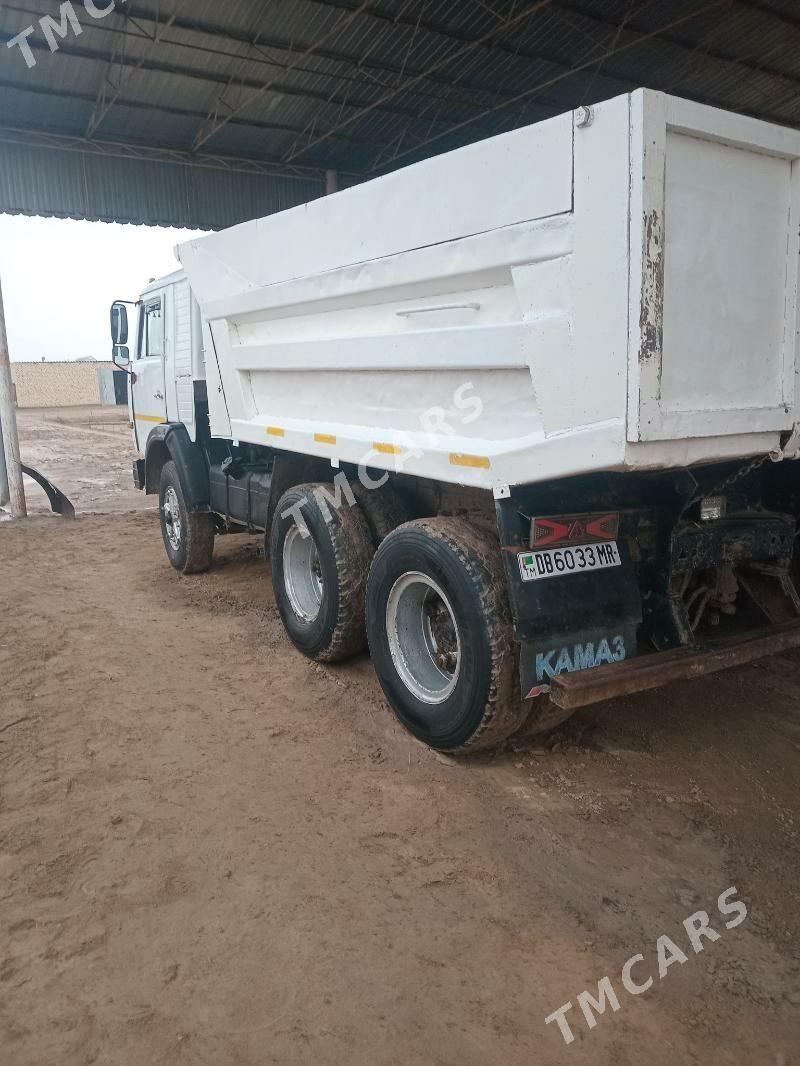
[58, 501]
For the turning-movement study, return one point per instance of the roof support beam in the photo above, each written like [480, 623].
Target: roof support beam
[747, 66]
[106, 100]
[154, 154]
[782, 16]
[107, 84]
[381, 72]
[435, 28]
[502, 27]
[586, 65]
[384, 71]
[182, 112]
[205, 75]
[445, 31]
[215, 123]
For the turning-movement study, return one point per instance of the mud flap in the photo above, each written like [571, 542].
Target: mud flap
[573, 622]
[555, 655]
[58, 501]
[568, 622]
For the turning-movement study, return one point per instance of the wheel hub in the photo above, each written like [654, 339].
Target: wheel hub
[302, 574]
[423, 636]
[172, 518]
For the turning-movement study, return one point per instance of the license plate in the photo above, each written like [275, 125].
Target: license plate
[555, 562]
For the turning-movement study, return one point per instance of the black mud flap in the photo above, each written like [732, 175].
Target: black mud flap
[58, 501]
[573, 622]
[566, 621]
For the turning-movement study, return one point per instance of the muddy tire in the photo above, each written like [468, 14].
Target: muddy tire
[188, 536]
[384, 509]
[441, 635]
[320, 579]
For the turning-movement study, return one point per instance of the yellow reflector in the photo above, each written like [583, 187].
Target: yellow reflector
[387, 449]
[480, 461]
[324, 438]
[276, 431]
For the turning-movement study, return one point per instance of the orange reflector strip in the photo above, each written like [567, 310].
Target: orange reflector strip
[387, 449]
[480, 461]
[276, 431]
[149, 418]
[324, 438]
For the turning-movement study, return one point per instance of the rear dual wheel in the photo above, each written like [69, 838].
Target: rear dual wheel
[437, 617]
[441, 636]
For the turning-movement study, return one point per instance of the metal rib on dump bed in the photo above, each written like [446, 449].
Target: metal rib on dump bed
[572, 691]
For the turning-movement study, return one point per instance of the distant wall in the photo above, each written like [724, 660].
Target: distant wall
[59, 384]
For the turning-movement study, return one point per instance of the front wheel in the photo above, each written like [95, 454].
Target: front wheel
[441, 636]
[188, 536]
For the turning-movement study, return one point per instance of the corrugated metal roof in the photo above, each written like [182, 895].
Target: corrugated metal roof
[358, 87]
[71, 184]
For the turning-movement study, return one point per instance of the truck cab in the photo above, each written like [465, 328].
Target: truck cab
[166, 360]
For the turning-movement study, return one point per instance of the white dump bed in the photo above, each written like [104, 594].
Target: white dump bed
[593, 292]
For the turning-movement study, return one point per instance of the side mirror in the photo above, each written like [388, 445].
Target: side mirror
[119, 324]
[121, 355]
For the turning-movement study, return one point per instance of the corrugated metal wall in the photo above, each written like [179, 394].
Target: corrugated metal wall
[70, 184]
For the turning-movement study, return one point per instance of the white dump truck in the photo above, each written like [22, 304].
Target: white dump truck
[520, 418]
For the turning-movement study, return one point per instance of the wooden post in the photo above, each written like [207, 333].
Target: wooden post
[8, 421]
[4, 493]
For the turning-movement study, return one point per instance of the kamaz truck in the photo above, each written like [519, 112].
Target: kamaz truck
[522, 419]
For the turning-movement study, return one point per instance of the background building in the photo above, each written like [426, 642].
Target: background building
[68, 384]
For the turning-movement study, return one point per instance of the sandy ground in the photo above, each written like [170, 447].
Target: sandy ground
[213, 851]
[86, 452]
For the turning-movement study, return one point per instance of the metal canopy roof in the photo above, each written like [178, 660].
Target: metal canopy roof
[201, 113]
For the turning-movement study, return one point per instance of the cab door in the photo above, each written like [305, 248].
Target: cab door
[149, 393]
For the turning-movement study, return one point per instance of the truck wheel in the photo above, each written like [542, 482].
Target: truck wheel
[188, 536]
[441, 635]
[319, 573]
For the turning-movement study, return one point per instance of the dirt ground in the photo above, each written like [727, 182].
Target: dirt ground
[87, 452]
[214, 851]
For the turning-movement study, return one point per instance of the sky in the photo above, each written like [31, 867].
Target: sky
[59, 279]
